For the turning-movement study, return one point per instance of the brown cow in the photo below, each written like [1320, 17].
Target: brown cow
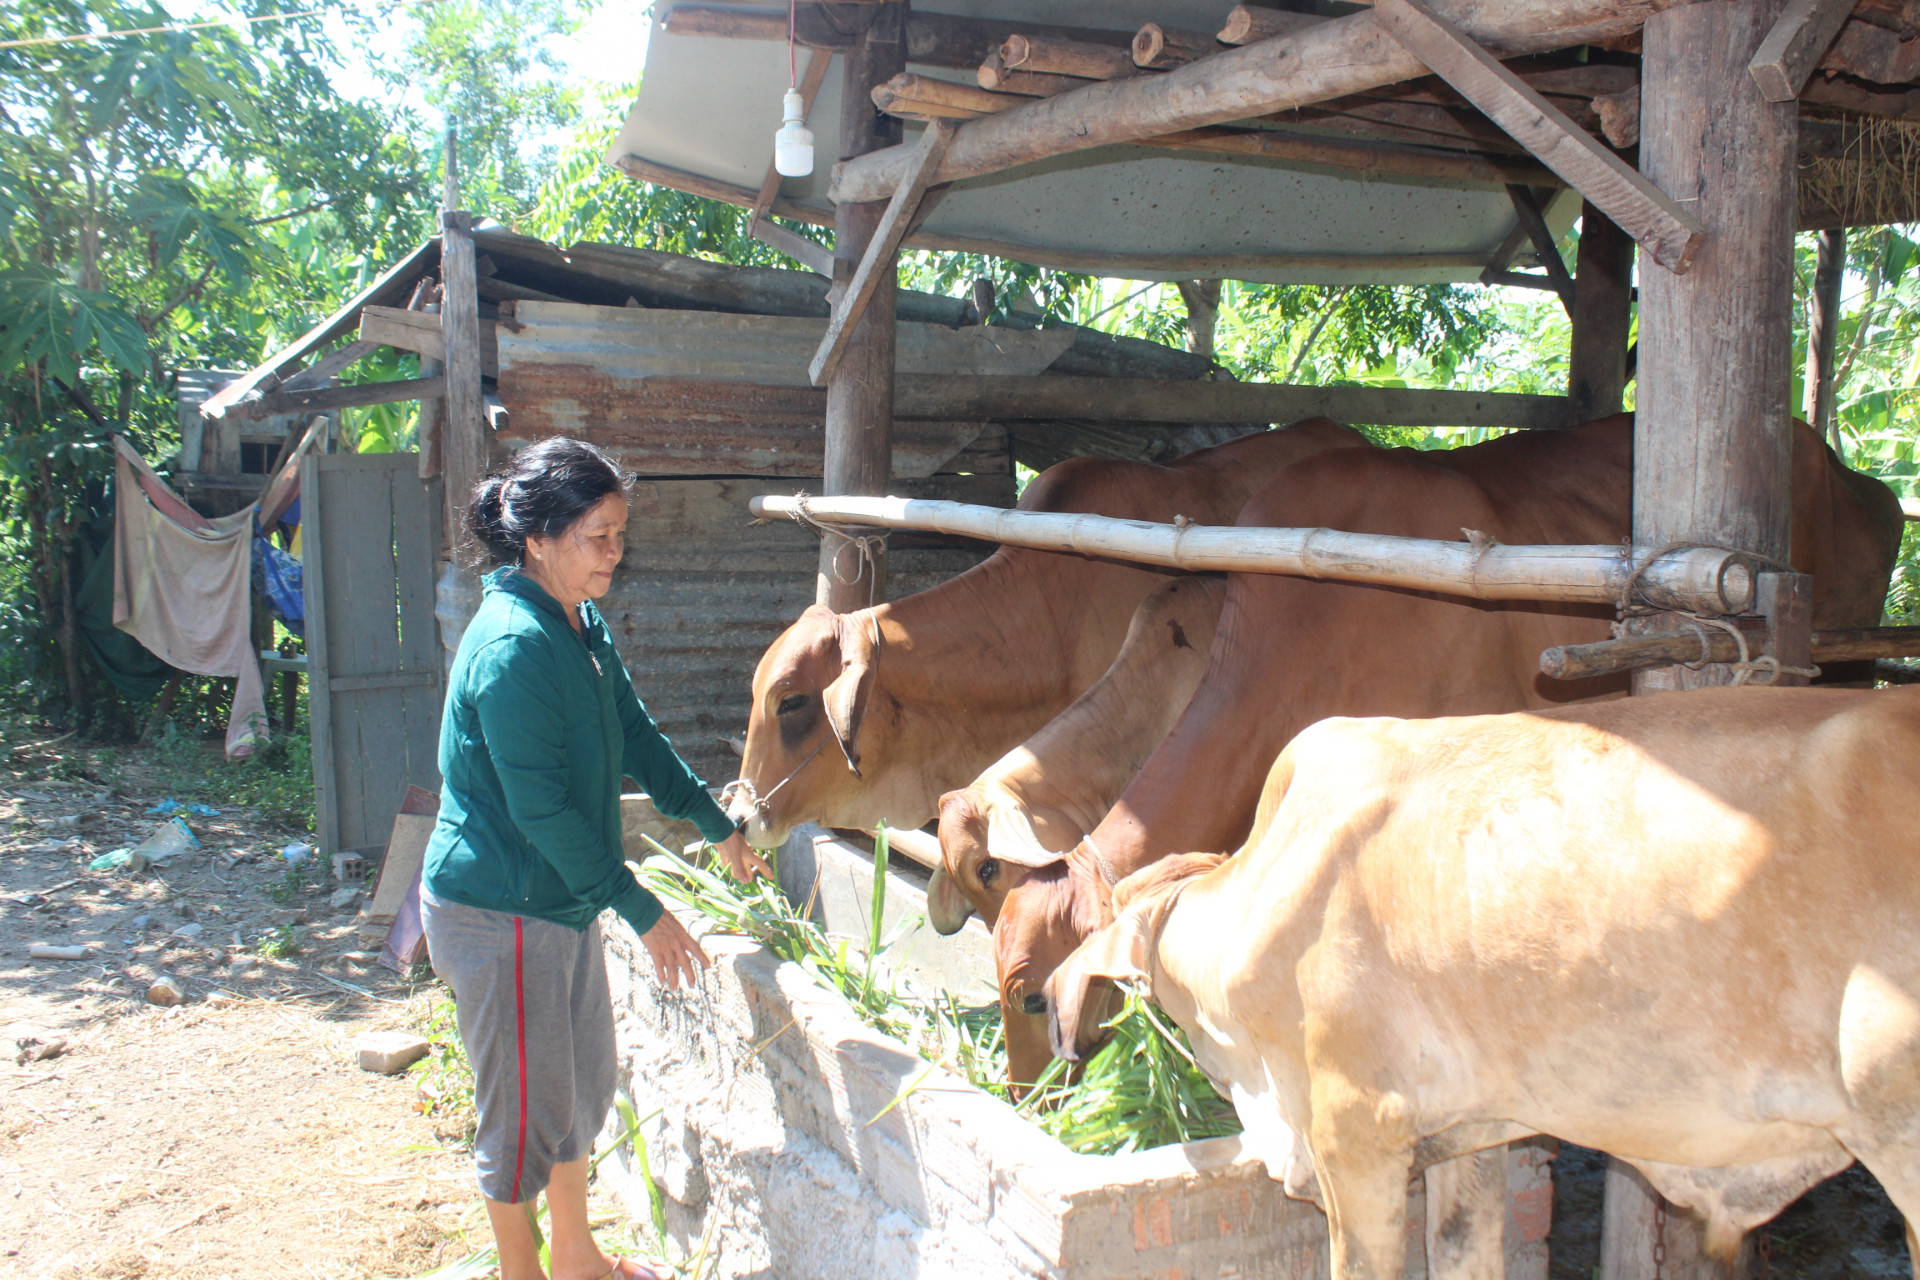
[1036, 801]
[1680, 929]
[1291, 651]
[866, 717]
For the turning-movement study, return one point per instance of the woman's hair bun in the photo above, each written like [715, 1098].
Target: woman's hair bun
[545, 489]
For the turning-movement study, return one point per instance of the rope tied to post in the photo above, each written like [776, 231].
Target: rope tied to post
[1746, 666]
[868, 545]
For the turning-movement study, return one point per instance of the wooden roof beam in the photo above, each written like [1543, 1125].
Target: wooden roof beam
[933, 39]
[1668, 233]
[1329, 60]
[1799, 37]
[1527, 209]
[881, 250]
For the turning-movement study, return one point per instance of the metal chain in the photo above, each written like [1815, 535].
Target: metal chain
[1659, 1236]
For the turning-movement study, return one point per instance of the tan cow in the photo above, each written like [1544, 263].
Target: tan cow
[1036, 801]
[1291, 651]
[1683, 929]
[866, 717]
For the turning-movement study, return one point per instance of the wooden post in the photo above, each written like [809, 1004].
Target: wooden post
[427, 428]
[463, 433]
[1823, 326]
[859, 417]
[1602, 317]
[1712, 437]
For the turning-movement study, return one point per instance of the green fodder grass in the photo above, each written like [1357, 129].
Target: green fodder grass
[1143, 1089]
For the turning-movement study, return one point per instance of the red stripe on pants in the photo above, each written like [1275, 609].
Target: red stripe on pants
[520, 1020]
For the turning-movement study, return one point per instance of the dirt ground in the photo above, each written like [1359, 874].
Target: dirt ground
[232, 1135]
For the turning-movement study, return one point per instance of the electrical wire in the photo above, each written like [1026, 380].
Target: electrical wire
[793, 7]
[89, 36]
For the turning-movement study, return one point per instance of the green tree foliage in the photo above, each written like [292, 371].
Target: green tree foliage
[166, 201]
[484, 63]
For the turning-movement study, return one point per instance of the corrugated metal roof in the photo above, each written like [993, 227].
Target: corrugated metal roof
[702, 393]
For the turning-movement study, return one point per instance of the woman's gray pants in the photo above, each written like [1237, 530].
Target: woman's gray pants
[536, 1018]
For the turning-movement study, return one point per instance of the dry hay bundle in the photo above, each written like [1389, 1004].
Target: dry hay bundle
[1872, 177]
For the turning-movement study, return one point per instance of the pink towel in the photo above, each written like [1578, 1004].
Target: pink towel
[186, 593]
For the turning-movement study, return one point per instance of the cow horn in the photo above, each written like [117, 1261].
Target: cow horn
[947, 907]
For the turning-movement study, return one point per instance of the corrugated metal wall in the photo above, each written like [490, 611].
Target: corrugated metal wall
[703, 591]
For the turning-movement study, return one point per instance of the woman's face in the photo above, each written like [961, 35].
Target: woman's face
[577, 563]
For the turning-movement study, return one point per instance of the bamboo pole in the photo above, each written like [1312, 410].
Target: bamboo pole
[1700, 579]
[1631, 653]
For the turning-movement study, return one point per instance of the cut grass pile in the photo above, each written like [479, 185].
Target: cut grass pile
[1142, 1090]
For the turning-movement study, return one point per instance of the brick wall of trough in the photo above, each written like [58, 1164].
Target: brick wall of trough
[772, 1144]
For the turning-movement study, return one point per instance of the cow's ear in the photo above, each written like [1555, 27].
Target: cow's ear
[947, 908]
[1083, 993]
[846, 697]
[1011, 838]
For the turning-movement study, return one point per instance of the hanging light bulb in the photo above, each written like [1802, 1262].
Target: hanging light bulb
[793, 144]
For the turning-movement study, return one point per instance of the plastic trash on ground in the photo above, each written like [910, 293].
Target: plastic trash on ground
[172, 839]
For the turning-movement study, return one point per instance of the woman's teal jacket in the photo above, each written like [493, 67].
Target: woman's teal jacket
[541, 722]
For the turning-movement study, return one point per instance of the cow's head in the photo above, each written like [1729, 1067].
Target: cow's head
[987, 848]
[1042, 919]
[1082, 994]
[810, 694]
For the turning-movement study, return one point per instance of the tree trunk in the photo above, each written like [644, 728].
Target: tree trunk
[1203, 311]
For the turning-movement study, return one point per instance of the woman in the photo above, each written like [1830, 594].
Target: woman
[541, 722]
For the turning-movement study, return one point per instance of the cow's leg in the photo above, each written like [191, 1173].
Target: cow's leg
[1467, 1216]
[1363, 1160]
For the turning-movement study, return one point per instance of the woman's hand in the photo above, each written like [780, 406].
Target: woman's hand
[741, 859]
[674, 952]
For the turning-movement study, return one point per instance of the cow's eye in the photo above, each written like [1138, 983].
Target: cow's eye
[988, 870]
[792, 703]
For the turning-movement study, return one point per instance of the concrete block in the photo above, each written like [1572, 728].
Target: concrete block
[389, 1052]
[638, 819]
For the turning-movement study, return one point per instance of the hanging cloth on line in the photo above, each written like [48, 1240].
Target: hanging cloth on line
[182, 587]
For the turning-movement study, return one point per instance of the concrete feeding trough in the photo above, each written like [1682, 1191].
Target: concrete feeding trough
[800, 1143]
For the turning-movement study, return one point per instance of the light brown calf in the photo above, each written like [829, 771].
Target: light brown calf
[1682, 929]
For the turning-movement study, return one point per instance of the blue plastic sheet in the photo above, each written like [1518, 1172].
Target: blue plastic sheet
[279, 577]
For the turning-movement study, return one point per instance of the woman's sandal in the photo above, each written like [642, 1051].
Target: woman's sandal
[632, 1269]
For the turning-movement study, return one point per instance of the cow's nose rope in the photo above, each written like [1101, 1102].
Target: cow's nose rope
[763, 805]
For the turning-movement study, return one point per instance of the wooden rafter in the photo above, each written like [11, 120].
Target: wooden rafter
[1534, 222]
[881, 249]
[1792, 49]
[1329, 60]
[1668, 233]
